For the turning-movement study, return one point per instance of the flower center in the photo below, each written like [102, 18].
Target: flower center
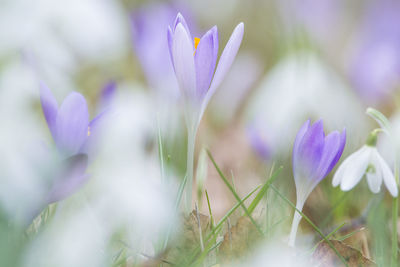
[371, 169]
[196, 43]
[88, 131]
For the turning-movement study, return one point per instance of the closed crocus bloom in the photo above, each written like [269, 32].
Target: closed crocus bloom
[73, 135]
[314, 156]
[149, 23]
[375, 66]
[69, 124]
[366, 161]
[194, 62]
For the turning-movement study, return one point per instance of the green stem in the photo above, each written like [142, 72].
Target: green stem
[394, 231]
[189, 168]
[395, 211]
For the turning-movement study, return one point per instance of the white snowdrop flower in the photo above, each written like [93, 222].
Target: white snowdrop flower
[366, 161]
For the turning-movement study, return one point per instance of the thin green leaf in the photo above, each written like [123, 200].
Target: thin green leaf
[379, 118]
[311, 223]
[234, 192]
[161, 153]
[350, 234]
[263, 190]
[210, 246]
[218, 227]
[329, 235]
[210, 211]
[177, 202]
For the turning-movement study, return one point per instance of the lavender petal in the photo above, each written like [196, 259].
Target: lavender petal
[72, 124]
[49, 107]
[205, 60]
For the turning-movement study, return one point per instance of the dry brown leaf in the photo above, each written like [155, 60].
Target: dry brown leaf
[325, 256]
[238, 240]
[191, 235]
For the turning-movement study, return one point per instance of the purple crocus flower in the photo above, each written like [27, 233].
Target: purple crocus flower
[73, 135]
[258, 142]
[375, 67]
[107, 94]
[194, 62]
[69, 124]
[314, 156]
[148, 24]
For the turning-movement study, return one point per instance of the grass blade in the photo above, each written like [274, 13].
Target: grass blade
[209, 210]
[234, 192]
[177, 202]
[218, 227]
[263, 190]
[312, 224]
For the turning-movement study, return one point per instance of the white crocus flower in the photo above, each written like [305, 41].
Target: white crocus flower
[366, 161]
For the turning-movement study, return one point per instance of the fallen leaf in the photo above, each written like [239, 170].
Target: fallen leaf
[238, 240]
[325, 256]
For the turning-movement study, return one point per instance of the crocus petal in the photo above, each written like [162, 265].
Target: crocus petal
[107, 93]
[70, 179]
[205, 59]
[374, 178]
[72, 124]
[333, 148]
[298, 139]
[310, 152]
[340, 150]
[225, 62]
[387, 175]
[49, 107]
[181, 20]
[170, 43]
[258, 142]
[182, 53]
[355, 171]
[93, 134]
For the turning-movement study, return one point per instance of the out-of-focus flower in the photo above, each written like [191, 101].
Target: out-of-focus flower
[69, 125]
[73, 135]
[107, 94]
[258, 141]
[303, 86]
[314, 156]
[63, 37]
[148, 33]
[149, 23]
[194, 63]
[375, 67]
[274, 253]
[321, 19]
[243, 75]
[366, 161]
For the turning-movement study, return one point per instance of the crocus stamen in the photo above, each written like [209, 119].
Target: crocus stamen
[88, 131]
[196, 43]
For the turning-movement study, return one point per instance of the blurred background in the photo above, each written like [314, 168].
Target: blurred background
[299, 60]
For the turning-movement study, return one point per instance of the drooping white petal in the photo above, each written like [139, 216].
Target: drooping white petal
[355, 169]
[388, 177]
[374, 177]
[338, 177]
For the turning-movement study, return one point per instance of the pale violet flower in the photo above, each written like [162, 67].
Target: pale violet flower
[366, 161]
[194, 62]
[314, 156]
